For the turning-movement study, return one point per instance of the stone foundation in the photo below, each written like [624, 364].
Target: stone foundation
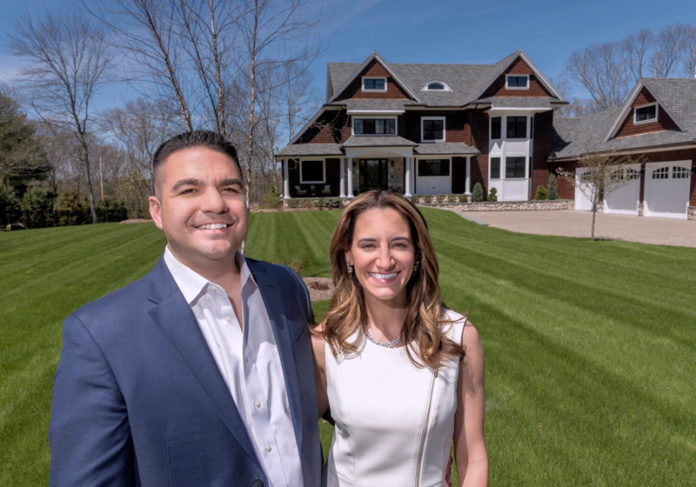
[691, 213]
[506, 205]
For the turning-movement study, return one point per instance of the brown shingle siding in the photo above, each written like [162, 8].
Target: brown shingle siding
[374, 69]
[663, 122]
[497, 88]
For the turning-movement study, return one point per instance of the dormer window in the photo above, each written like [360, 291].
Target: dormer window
[374, 84]
[436, 86]
[645, 113]
[517, 81]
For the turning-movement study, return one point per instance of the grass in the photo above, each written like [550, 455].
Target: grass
[589, 345]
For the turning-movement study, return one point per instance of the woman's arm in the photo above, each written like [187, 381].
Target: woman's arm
[319, 369]
[469, 444]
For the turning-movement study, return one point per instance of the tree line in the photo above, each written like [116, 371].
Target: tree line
[238, 68]
[610, 70]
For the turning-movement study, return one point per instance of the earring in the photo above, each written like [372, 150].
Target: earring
[415, 266]
[349, 268]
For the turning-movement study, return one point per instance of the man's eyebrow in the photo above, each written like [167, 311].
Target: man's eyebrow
[231, 182]
[185, 182]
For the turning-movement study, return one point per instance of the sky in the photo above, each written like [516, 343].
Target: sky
[446, 31]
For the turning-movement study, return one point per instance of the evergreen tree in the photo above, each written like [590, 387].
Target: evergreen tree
[553, 189]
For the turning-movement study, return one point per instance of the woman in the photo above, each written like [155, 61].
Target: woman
[403, 375]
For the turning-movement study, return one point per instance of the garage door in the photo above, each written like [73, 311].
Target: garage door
[624, 190]
[583, 189]
[667, 188]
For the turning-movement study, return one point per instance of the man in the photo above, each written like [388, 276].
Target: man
[200, 373]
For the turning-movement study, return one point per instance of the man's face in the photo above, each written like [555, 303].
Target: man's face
[199, 203]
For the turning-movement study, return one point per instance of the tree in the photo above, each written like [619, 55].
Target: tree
[21, 158]
[553, 188]
[68, 59]
[601, 173]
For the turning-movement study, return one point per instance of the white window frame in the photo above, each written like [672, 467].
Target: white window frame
[507, 84]
[362, 84]
[376, 117]
[650, 120]
[503, 166]
[444, 129]
[490, 127]
[323, 170]
[501, 161]
[427, 86]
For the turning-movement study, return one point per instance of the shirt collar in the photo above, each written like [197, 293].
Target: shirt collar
[192, 285]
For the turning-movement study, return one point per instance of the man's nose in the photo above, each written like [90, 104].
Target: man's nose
[213, 201]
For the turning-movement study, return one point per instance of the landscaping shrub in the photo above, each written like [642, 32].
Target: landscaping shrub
[493, 195]
[463, 198]
[37, 207]
[271, 199]
[9, 205]
[426, 198]
[72, 210]
[477, 193]
[553, 189]
[109, 210]
[540, 193]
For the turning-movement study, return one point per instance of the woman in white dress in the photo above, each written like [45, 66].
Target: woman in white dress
[402, 375]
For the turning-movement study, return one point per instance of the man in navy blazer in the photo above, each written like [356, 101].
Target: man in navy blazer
[199, 373]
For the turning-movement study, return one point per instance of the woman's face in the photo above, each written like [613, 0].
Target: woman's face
[382, 253]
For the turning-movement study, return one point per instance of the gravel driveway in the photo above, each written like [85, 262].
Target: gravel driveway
[575, 223]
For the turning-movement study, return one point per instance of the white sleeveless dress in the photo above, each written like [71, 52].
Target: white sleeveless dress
[394, 421]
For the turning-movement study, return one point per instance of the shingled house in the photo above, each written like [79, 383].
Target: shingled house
[441, 128]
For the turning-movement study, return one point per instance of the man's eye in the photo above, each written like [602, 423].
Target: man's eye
[187, 191]
[231, 189]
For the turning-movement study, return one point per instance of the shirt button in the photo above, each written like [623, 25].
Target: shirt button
[257, 404]
[213, 289]
[268, 448]
[228, 319]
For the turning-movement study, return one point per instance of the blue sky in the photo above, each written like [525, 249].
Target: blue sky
[448, 31]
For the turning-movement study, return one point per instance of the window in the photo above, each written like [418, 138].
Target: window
[516, 127]
[432, 128]
[617, 175]
[495, 128]
[661, 173]
[517, 81]
[680, 172]
[587, 177]
[312, 172]
[495, 167]
[374, 84]
[433, 167]
[646, 113]
[374, 126]
[632, 174]
[514, 167]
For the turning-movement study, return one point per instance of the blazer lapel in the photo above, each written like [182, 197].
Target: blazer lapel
[276, 309]
[176, 320]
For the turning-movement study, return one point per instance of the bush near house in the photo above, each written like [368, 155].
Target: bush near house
[477, 193]
[540, 193]
[553, 188]
[493, 195]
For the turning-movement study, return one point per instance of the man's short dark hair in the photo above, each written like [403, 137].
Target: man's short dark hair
[197, 138]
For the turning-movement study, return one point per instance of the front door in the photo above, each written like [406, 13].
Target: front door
[373, 174]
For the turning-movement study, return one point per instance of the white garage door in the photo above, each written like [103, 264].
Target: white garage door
[583, 189]
[624, 190]
[667, 188]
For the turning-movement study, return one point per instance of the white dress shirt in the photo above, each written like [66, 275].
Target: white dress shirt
[248, 360]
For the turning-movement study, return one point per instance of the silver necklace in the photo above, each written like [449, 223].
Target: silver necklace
[390, 344]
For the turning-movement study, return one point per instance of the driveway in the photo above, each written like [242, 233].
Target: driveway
[575, 223]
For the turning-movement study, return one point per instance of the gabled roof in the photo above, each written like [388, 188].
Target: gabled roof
[626, 109]
[578, 135]
[467, 82]
[356, 72]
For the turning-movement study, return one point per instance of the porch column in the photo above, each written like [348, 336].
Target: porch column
[349, 192]
[342, 174]
[409, 161]
[286, 180]
[467, 181]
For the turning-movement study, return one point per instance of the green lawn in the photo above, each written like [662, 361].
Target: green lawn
[591, 377]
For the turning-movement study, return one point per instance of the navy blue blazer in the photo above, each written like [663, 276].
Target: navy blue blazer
[138, 398]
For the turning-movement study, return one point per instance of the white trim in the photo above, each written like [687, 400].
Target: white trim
[374, 117]
[374, 112]
[467, 181]
[444, 129]
[509, 75]
[494, 109]
[286, 180]
[625, 152]
[650, 120]
[323, 170]
[427, 86]
[372, 90]
[501, 160]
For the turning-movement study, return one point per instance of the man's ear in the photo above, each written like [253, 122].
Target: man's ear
[155, 211]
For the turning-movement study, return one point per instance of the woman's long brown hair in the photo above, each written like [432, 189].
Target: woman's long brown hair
[425, 317]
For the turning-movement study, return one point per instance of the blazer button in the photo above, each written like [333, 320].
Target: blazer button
[257, 483]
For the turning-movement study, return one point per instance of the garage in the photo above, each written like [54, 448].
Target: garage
[583, 189]
[624, 196]
[667, 189]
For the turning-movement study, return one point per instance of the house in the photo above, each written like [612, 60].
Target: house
[657, 121]
[441, 128]
[425, 129]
